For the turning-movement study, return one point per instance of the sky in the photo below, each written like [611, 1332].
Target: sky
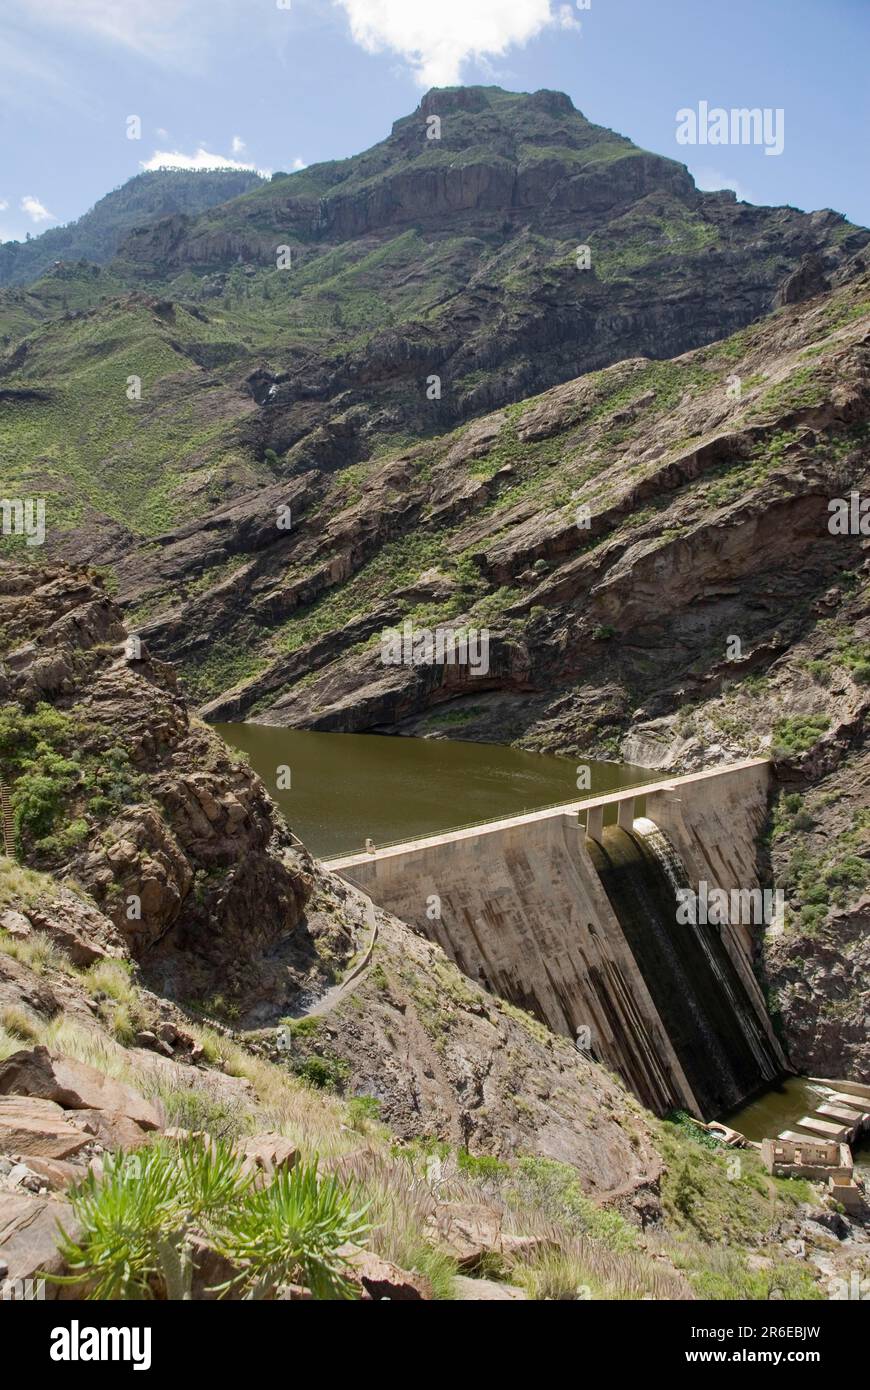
[278, 84]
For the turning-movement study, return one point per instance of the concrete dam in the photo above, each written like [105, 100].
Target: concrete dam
[575, 919]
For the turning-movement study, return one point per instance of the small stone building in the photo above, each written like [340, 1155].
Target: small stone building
[816, 1159]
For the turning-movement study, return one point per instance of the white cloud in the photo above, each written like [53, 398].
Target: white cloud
[238, 145]
[35, 209]
[437, 37]
[567, 19]
[709, 180]
[202, 159]
[4, 203]
[298, 164]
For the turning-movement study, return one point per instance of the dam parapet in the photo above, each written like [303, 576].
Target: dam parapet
[535, 908]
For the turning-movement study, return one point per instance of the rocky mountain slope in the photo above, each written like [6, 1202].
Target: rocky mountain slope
[180, 862]
[453, 258]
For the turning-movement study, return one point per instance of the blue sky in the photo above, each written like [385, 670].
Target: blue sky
[279, 83]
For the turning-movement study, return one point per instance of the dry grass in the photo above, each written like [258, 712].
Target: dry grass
[21, 886]
[20, 1023]
[316, 1122]
[124, 1008]
[36, 951]
[578, 1268]
[93, 1046]
[9, 1043]
[400, 1203]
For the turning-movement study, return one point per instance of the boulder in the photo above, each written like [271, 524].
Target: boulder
[78, 928]
[466, 1230]
[56, 1173]
[15, 924]
[380, 1279]
[111, 1130]
[22, 987]
[74, 1086]
[31, 1126]
[523, 1247]
[28, 1243]
[266, 1153]
[20, 1176]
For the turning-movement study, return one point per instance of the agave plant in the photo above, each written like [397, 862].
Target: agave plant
[123, 1213]
[292, 1232]
[137, 1216]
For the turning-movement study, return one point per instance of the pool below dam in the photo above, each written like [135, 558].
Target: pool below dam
[778, 1108]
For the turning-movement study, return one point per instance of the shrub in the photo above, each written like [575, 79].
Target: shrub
[687, 1126]
[481, 1165]
[123, 1214]
[327, 1073]
[302, 1027]
[195, 1109]
[553, 1189]
[52, 781]
[798, 734]
[363, 1109]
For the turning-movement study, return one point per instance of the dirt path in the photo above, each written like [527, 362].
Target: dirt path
[336, 993]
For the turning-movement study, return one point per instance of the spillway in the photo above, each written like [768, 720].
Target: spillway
[702, 1002]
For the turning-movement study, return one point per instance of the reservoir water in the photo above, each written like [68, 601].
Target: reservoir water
[346, 787]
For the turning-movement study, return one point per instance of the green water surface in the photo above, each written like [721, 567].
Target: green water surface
[347, 787]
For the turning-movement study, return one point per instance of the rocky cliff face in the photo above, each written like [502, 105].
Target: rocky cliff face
[176, 842]
[458, 256]
[454, 259]
[611, 534]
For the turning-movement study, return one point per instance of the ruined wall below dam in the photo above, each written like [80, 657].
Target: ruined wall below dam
[520, 906]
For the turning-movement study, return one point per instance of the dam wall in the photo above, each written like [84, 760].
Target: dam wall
[521, 907]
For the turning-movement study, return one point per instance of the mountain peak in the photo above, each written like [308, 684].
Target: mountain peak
[441, 100]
